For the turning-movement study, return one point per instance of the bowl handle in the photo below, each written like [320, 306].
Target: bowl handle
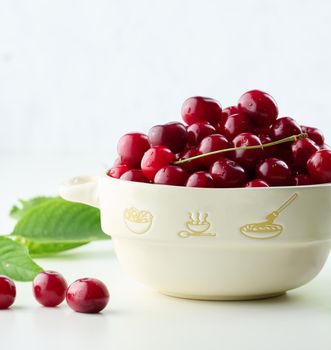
[81, 189]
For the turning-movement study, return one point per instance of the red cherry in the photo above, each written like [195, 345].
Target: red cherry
[302, 150]
[154, 159]
[301, 180]
[131, 147]
[314, 134]
[193, 165]
[247, 158]
[171, 135]
[256, 183]
[274, 171]
[264, 138]
[200, 179]
[171, 175]
[269, 151]
[118, 171]
[319, 166]
[212, 143]
[235, 124]
[201, 109]
[87, 295]
[198, 131]
[229, 111]
[282, 151]
[7, 292]
[284, 127]
[117, 161]
[49, 288]
[260, 107]
[228, 173]
[135, 175]
[265, 131]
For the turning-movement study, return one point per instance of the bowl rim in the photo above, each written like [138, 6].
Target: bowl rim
[218, 189]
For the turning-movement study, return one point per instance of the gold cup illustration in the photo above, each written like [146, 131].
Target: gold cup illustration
[197, 225]
[267, 229]
[138, 221]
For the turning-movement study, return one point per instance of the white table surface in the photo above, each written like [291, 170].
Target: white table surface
[138, 317]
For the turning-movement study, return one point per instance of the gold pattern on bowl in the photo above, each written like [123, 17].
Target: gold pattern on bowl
[267, 229]
[138, 221]
[197, 225]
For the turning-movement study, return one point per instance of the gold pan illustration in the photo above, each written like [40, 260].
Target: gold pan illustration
[267, 229]
[196, 226]
[138, 221]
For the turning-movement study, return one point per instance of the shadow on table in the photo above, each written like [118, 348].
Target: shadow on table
[317, 299]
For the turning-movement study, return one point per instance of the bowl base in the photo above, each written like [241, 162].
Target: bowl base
[223, 297]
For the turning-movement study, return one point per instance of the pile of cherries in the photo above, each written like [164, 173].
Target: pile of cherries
[87, 295]
[214, 148]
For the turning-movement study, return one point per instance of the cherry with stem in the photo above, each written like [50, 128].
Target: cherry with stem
[292, 138]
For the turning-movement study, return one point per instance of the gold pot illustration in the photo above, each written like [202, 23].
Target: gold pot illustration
[197, 225]
[138, 221]
[267, 229]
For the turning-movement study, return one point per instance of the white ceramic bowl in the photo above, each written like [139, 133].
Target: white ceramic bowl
[215, 244]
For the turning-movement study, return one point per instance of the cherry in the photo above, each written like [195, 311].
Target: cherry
[253, 122]
[131, 147]
[193, 165]
[228, 173]
[87, 295]
[201, 109]
[234, 124]
[264, 138]
[49, 288]
[7, 292]
[154, 159]
[247, 158]
[314, 134]
[135, 175]
[302, 150]
[274, 171]
[270, 151]
[171, 175]
[229, 111]
[211, 143]
[117, 161]
[301, 180]
[260, 107]
[198, 131]
[200, 179]
[264, 131]
[256, 183]
[171, 135]
[118, 171]
[284, 127]
[284, 153]
[319, 166]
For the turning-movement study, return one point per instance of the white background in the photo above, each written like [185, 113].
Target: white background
[75, 75]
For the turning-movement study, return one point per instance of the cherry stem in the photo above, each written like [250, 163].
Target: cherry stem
[274, 143]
